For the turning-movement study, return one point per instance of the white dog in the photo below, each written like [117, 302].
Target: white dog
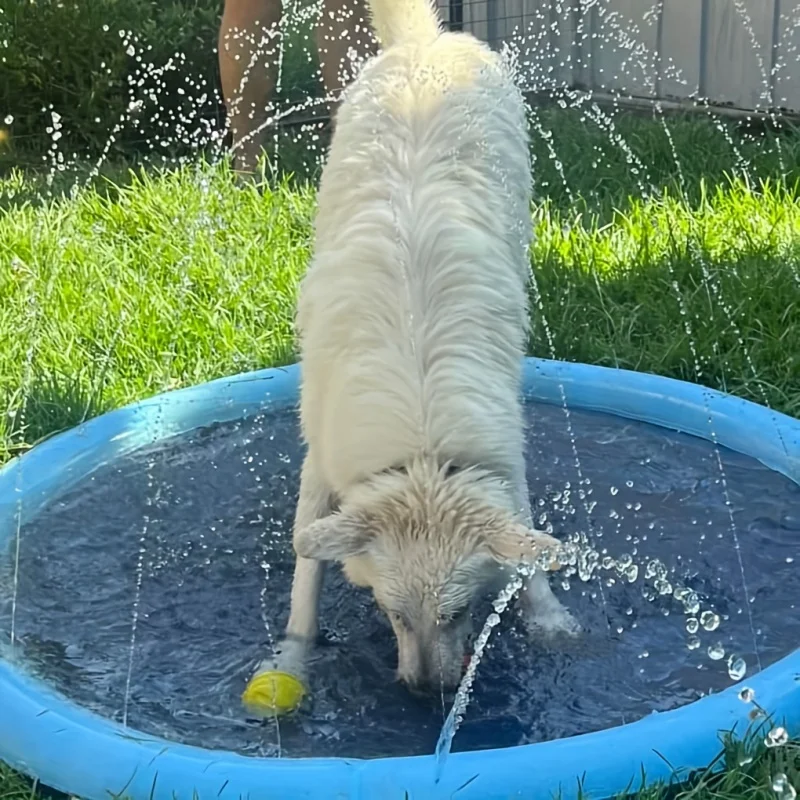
[413, 320]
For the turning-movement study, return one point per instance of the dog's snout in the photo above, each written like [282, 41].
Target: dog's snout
[428, 689]
[434, 678]
[416, 687]
[431, 657]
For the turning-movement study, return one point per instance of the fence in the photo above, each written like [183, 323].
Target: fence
[737, 53]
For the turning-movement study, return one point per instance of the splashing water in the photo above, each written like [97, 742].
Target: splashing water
[747, 695]
[456, 715]
[777, 737]
[737, 667]
[142, 551]
[783, 788]
[566, 71]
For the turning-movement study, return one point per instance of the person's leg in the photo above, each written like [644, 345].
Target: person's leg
[248, 47]
[343, 29]
[248, 61]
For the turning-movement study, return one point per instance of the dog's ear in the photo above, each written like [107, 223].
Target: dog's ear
[333, 538]
[515, 544]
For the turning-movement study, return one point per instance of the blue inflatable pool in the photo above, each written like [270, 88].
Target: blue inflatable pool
[70, 749]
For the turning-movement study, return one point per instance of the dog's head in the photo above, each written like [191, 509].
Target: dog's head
[429, 542]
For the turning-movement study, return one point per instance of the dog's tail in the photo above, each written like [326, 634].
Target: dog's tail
[397, 21]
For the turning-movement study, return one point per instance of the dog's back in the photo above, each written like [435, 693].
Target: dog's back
[413, 316]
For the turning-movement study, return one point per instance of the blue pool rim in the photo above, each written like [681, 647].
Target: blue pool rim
[70, 749]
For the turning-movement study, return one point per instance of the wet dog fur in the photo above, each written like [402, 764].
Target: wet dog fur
[413, 320]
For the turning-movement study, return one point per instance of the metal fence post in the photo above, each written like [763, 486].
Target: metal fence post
[774, 53]
[659, 50]
[456, 14]
[702, 82]
[491, 22]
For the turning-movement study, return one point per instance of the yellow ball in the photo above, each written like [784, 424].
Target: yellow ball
[270, 694]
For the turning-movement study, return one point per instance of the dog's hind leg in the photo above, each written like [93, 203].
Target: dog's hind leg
[543, 612]
[291, 655]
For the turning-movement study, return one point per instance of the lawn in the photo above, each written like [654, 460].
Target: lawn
[663, 246]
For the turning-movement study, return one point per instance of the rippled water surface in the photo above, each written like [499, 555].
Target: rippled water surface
[189, 542]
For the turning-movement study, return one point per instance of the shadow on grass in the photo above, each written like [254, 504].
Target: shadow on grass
[293, 159]
[51, 403]
[594, 166]
[584, 164]
[716, 307]
[14, 786]
[20, 187]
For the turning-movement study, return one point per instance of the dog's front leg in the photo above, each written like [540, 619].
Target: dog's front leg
[291, 655]
[543, 612]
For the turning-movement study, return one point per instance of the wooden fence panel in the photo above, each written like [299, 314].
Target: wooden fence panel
[625, 50]
[509, 18]
[562, 33]
[736, 53]
[443, 7]
[787, 76]
[740, 53]
[679, 72]
[532, 32]
[476, 18]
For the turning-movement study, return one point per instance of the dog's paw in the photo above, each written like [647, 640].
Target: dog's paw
[291, 656]
[555, 622]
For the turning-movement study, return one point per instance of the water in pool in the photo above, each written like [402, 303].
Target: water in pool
[149, 592]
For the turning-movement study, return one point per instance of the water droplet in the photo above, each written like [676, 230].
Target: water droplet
[745, 760]
[777, 737]
[716, 651]
[9, 118]
[656, 569]
[747, 695]
[692, 625]
[709, 620]
[663, 587]
[737, 668]
[692, 643]
[782, 788]
[691, 603]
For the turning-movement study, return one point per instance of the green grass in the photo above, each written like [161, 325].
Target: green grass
[125, 289]
[14, 786]
[146, 281]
